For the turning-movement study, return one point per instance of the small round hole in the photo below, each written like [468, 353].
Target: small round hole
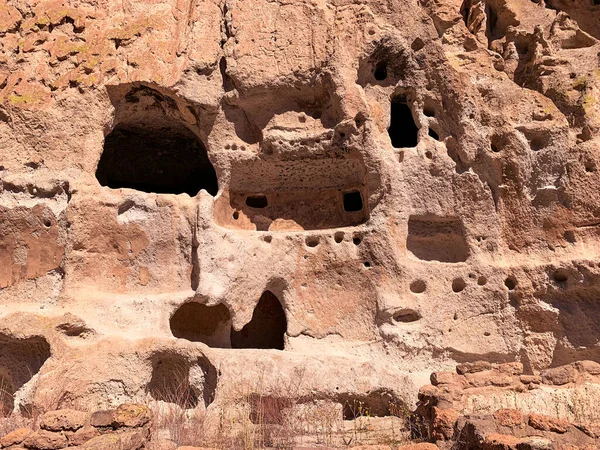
[236, 215]
[428, 154]
[510, 283]
[458, 284]
[429, 112]
[569, 236]
[338, 237]
[268, 239]
[481, 281]
[561, 275]
[312, 241]
[494, 148]
[356, 240]
[487, 333]
[47, 223]
[589, 166]
[367, 264]
[418, 286]
[417, 45]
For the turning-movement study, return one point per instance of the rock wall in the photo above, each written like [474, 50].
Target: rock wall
[318, 199]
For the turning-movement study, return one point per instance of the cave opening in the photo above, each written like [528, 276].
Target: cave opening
[267, 328]
[380, 73]
[164, 158]
[197, 322]
[353, 201]
[403, 130]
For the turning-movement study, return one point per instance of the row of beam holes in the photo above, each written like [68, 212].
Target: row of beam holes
[234, 147]
[560, 276]
[458, 284]
[338, 238]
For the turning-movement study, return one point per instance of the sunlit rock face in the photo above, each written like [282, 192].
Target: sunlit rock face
[332, 195]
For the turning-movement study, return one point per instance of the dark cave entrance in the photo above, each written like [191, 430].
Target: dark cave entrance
[200, 323]
[267, 328]
[166, 159]
[403, 131]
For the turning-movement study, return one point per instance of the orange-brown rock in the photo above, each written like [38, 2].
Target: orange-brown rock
[63, 420]
[15, 437]
[545, 423]
[45, 440]
[317, 202]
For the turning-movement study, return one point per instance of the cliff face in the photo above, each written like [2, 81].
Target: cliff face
[326, 198]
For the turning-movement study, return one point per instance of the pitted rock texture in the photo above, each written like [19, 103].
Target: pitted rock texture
[204, 197]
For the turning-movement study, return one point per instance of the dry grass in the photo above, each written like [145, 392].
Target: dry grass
[8, 421]
[257, 417]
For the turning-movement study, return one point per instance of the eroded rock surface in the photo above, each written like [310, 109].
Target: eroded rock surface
[314, 199]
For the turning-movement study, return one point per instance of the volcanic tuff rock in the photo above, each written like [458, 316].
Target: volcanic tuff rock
[314, 199]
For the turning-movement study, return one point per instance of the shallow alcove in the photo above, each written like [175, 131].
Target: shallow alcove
[153, 149]
[200, 323]
[273, 195]
[170, 381]
[257, 201]
[434, 238]
[403, 130]
[379, 403]
[266, 329]
[20, 360]
[406, 315]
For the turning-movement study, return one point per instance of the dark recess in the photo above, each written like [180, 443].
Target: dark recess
[403, 130]
[380, 72]
[266, 329]
[166, 160]
[257, 201]
[353, 201]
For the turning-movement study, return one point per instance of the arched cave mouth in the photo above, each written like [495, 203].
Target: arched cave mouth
[212, 325]
[165, 158]
[267, 328]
